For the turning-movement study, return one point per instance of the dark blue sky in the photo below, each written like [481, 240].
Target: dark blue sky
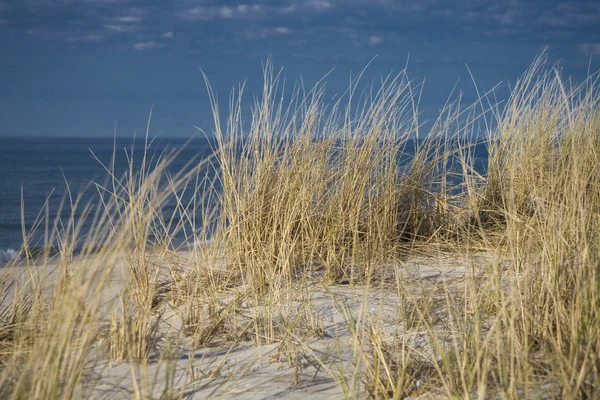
[74, 67]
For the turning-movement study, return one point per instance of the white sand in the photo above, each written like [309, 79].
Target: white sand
[283, 369]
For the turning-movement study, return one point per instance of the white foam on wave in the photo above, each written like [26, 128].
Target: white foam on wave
[7, 255]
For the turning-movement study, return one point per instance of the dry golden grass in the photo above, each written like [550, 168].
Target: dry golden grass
[304, 198]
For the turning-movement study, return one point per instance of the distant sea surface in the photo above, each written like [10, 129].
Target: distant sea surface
[34, 169]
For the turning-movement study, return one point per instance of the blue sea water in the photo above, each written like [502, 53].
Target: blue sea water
[36, 169]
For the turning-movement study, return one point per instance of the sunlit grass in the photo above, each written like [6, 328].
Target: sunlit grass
[305, 196]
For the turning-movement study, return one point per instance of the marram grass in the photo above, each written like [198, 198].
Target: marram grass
[308, 193]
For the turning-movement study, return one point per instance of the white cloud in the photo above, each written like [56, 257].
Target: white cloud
[128, 19]
[589, 48]
[202, 13]
[88, 38]
[104, 1]
[142, 46]
[254, 10]
[226, 12]
[206, 13]
[562, 20]
[119, 28]
[245, 8]
[268, 32]
[196, 14]
[509, 17]
[53, 3]
[282, 30]
[168, 35]
[319, 5]
[374, 40]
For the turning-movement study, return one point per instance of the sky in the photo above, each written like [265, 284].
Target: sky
[82, 67]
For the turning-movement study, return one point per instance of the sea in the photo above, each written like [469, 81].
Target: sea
[39, 170]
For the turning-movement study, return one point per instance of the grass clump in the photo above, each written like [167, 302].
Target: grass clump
[315, 186]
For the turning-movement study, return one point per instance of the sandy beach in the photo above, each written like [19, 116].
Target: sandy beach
[311, 360]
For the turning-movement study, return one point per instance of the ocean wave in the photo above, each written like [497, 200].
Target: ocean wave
[7, 255]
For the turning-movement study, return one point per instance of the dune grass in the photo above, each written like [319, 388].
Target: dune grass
[305, 196]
